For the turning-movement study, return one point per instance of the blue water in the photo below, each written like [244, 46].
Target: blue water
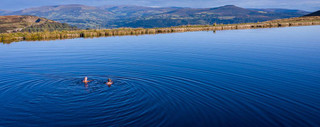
[257, 77]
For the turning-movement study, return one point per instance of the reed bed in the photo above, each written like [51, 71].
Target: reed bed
[47, 35]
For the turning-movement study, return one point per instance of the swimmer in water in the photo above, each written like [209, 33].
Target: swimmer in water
[85, 80]
[109, 83]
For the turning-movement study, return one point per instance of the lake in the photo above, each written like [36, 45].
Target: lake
[256, 77]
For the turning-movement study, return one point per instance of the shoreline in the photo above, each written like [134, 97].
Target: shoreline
[54, 35]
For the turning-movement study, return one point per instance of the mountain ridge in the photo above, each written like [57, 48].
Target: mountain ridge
[115, 16]
[317, 13]
[27, 23]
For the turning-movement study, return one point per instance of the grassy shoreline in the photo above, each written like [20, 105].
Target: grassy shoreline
[27, 36]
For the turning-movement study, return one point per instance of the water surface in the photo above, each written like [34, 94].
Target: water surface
[257, 77]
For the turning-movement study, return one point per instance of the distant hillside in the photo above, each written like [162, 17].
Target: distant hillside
[4, 12]
[30, 24]
[78, 15]
[149, 17]
[317, 13]
[301, 20]
[288, 12]
[228, 14]
[136, 11]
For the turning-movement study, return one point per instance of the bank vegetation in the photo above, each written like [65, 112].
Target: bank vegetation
[67, 34]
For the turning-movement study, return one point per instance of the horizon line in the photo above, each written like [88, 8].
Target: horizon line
[154, 7]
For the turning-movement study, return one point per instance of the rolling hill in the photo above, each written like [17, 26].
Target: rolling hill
[279, 10]
[77, 15]
[317, 13]
[15, 23]
[150, 17]
[4, 12]
[136, 11]
[228, 14]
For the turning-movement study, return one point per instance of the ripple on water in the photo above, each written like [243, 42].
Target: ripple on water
[212, 82]
[130, 99]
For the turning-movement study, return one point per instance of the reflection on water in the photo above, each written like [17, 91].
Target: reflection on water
[260, 77]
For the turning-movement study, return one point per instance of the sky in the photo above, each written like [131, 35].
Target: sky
[308, 5]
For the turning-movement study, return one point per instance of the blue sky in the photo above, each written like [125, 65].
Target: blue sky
[309, 5]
